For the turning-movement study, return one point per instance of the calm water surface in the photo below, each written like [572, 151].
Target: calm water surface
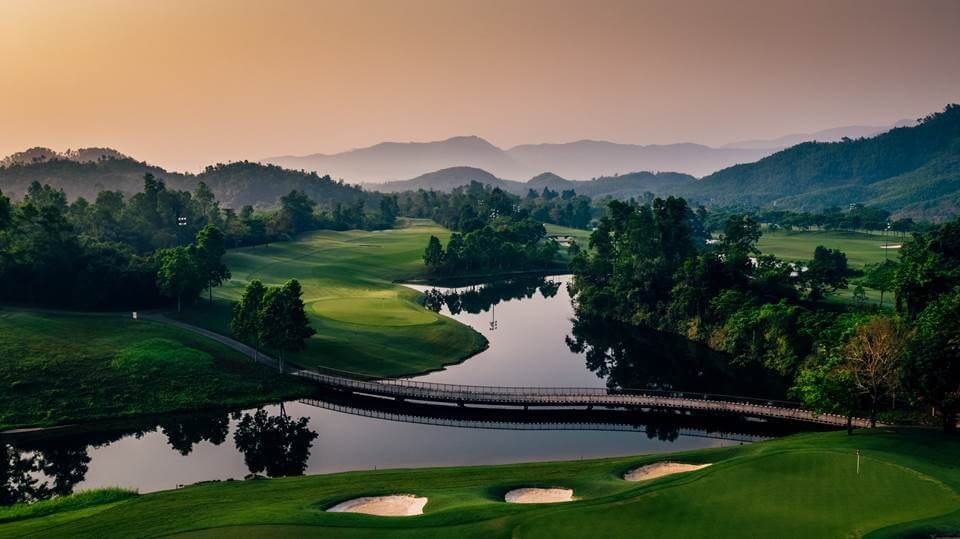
[533, 341]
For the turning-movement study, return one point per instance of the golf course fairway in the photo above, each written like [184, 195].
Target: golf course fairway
[801, 486]
[365, 321]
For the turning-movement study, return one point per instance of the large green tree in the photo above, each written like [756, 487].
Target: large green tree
[210, 250]
[180, 275]
[284, 326]
[433, 255]
[245, 323]
[827, 272]
[932, 365]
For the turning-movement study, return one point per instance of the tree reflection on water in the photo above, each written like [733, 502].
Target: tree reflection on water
[480, 298]
[632, 357]
[277, 445]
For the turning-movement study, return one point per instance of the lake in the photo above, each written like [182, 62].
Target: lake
[535, 340]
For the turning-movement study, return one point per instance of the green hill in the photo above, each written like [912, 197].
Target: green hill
[234, 184]
[912, 171]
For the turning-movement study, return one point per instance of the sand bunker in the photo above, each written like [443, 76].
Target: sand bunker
[399, 505]
[539, 495]
[660, 469]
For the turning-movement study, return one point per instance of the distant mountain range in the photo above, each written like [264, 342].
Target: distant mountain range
[827, 135]
[622, 186]
[392, 161]
[912, 171]
[395, 161]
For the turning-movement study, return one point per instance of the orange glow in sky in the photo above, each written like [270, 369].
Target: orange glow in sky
[187, 83]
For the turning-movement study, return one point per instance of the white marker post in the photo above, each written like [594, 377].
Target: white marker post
[858, 462]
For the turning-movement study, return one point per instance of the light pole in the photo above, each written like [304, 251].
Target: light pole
[886, 241]
[181, 222]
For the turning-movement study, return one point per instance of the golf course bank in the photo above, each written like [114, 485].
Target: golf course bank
[64, 368]
[906, 483]
[60, 368]
[364, 320]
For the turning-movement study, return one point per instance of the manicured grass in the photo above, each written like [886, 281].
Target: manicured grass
[67, 368]
[99, 498]
[365, 322]
[801, 486]
[581, 236]
[860, 248]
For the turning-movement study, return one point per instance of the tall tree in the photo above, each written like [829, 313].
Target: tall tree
[827, 272]
[873, 356]
[433, 255]
[6, 213]
[245, 323]
[284, 326]
[881, 276]
[296, 208]
[932, 366]
[210, 251]
[179, 275]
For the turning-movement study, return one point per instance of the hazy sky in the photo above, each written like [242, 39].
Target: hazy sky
[187, 83]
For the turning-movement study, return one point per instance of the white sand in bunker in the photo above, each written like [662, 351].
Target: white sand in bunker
[539, 495]
[398, 505]
[660, 469]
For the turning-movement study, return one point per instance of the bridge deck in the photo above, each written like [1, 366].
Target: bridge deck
[536, 396]
[575, 397]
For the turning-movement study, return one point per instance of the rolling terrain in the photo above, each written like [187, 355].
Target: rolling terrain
[799, 486]
[365, 322]
[911, 171]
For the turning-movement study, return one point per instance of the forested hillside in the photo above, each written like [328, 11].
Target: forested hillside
[912, 171]
[235, 185]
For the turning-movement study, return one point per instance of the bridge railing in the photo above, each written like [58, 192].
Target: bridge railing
[414, 388]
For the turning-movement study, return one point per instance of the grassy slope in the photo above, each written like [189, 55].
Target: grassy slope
[59, 368]
[802, 486]
[860, 248]
[364, 321]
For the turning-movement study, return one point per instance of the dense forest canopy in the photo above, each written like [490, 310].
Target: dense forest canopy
[649, 265]
[132, 251]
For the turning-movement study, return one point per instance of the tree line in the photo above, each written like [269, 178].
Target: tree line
[468, 208]
[504, 244]
[120, 251]
[855, 218]
[649, 266]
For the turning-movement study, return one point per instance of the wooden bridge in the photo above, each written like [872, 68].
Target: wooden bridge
[567, 397]
[528, 397]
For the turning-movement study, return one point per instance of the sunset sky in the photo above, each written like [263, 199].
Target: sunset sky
[187, 83]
